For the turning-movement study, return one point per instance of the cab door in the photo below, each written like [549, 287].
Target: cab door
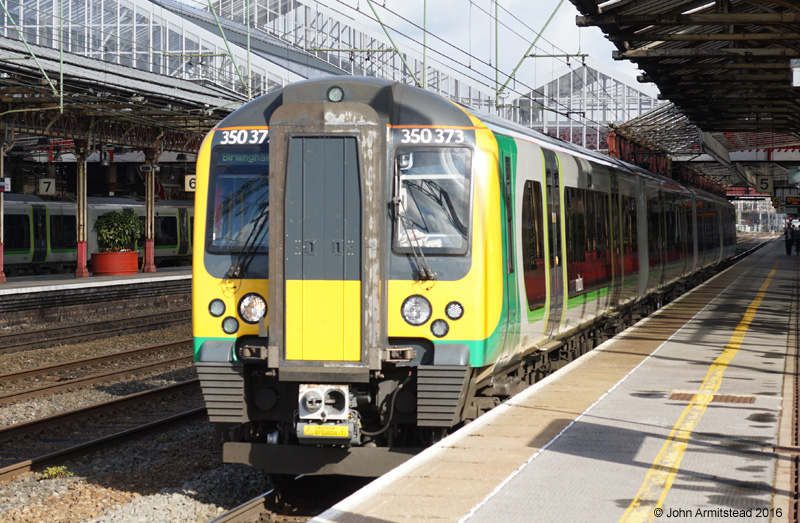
[510, 289]
[322, 264]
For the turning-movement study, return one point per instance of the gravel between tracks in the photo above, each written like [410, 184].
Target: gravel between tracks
[177, 476]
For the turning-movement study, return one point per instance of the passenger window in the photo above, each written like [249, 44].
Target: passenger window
[16, 233]
[629, 235]
[63, 233]
[166, 231]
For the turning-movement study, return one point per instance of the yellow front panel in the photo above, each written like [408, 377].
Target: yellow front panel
[323, 320]
[206, 287]
[481, 291]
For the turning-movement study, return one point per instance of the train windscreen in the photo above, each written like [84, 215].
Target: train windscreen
[433, 191]
[238, 200]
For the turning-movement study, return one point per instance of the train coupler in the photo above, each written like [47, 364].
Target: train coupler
[325, 416]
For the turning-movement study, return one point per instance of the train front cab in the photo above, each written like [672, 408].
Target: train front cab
[362, 358]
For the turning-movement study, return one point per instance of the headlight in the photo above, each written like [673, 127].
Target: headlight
[416, 310]
[252, 308]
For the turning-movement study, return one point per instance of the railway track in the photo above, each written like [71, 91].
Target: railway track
[36, 444]
[16, 342]
[248, 512]
[26, 384]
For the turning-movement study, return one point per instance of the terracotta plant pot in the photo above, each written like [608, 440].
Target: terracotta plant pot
[115, 263]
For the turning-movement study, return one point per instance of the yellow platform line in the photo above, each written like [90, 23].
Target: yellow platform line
[662, 473]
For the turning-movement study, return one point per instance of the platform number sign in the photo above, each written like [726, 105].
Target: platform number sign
[764, 184]
[47, 186]
[5, 184]
[190, 182]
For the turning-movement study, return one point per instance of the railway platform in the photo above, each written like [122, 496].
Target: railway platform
[50, 282]
[690, 415]
[59, 297]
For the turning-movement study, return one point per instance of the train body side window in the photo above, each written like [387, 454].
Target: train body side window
[588, 251]
[654, 230]
[532, 232]
[63, 233]
[688, 215]
[714, 225]
[16, 233]
[165, 231]
[674, 228]
[702, 233]
[601, 257]
[629, 236]
[577, 265]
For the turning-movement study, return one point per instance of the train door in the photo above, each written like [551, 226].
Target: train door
[553, 217]
[322, 257]
[39, 234]
[510, 284]
[183, 237]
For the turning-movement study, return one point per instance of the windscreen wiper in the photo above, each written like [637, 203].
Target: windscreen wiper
[248, 250]
[424, 271]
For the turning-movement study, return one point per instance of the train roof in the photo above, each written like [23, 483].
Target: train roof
[510, 128]
[94, 200]
[396, 103]
[402, 104]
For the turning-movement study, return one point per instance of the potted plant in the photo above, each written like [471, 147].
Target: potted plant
[117, 233]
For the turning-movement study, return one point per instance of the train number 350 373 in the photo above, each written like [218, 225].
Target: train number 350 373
[243, 136]
[432, 136]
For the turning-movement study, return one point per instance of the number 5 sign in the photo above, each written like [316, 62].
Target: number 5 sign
[764, 184]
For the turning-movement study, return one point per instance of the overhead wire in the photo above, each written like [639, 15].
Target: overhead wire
[558, 59]
[450, 58]
[590, 71]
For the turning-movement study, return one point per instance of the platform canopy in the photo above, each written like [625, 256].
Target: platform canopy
[75, 98]
[726, 66]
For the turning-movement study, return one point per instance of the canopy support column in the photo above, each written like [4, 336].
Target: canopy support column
[151, 159]
[81, 271]
[2, 223]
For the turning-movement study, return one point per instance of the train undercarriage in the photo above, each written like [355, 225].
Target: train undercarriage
[367, 428]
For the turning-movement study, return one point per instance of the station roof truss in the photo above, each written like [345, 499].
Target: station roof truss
[724, 63]
[667, 131]
[102, 103]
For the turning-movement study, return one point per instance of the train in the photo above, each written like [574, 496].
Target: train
[380, 266]
[41, 235]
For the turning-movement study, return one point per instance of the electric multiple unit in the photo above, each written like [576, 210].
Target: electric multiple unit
[380, 265]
